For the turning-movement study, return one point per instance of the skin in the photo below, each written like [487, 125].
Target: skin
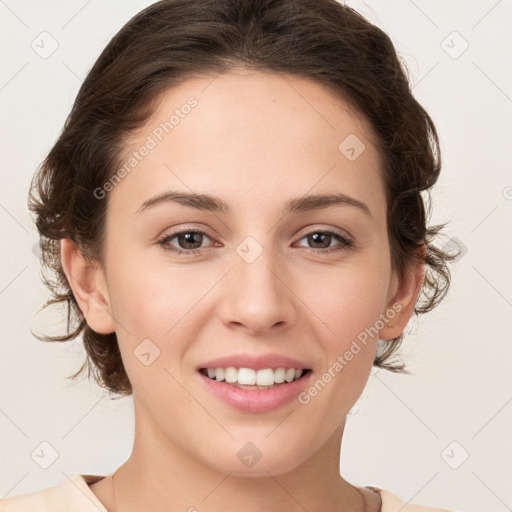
[255, 140]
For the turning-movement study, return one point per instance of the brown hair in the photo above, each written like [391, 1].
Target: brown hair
[173, 40]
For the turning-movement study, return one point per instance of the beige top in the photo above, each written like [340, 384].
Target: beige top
[74, 495]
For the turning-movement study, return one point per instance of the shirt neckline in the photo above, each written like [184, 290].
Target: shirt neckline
[85, 480]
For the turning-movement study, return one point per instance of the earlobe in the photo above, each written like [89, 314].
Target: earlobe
[87, 281]
[403, 300]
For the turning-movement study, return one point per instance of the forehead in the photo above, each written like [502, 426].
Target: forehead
[249, 134]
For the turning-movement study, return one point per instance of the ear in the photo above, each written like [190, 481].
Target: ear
[88, 283]
[404, 294]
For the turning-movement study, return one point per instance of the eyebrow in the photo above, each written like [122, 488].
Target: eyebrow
[215, 204]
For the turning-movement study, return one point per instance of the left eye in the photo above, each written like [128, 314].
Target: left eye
[317, 236]
[193, 237]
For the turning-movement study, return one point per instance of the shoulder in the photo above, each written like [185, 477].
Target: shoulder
[39, 501]
[392, 503]
[73, 494]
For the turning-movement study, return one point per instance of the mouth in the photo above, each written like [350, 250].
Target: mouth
[250, 378]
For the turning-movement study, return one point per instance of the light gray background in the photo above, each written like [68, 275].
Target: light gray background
[400, 434]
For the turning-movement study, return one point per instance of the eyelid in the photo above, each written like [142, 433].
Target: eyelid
[180, 228]
[316, 227]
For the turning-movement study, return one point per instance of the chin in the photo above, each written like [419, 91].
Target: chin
[250, 461]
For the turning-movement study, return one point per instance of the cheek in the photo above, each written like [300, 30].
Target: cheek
[157, 308]
[348, 300]
[349, 303]
[151, 297]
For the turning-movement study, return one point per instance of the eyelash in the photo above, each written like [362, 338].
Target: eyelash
[346, 243]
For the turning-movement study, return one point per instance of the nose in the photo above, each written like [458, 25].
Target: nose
[258, 295]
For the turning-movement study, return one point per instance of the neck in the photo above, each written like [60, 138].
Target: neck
[159, 476]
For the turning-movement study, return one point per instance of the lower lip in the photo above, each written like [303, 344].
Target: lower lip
[256, 400]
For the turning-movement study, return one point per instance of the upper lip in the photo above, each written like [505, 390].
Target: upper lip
[256, 362]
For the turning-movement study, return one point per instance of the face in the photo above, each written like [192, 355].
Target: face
[256, 278]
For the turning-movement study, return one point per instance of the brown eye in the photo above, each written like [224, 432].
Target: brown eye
[321, 241]
[189, 241]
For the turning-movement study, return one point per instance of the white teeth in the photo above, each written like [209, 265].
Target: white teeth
[279, 375]
[246, 377]
[265, 377]
[230, 374]
[289, 375]
[219, 373]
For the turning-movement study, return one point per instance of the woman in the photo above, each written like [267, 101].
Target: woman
[234, 214]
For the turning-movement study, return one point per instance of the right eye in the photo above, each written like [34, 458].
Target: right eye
[188, 236]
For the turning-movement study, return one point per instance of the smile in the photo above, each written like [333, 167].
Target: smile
[249, 378]
[245, 394]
